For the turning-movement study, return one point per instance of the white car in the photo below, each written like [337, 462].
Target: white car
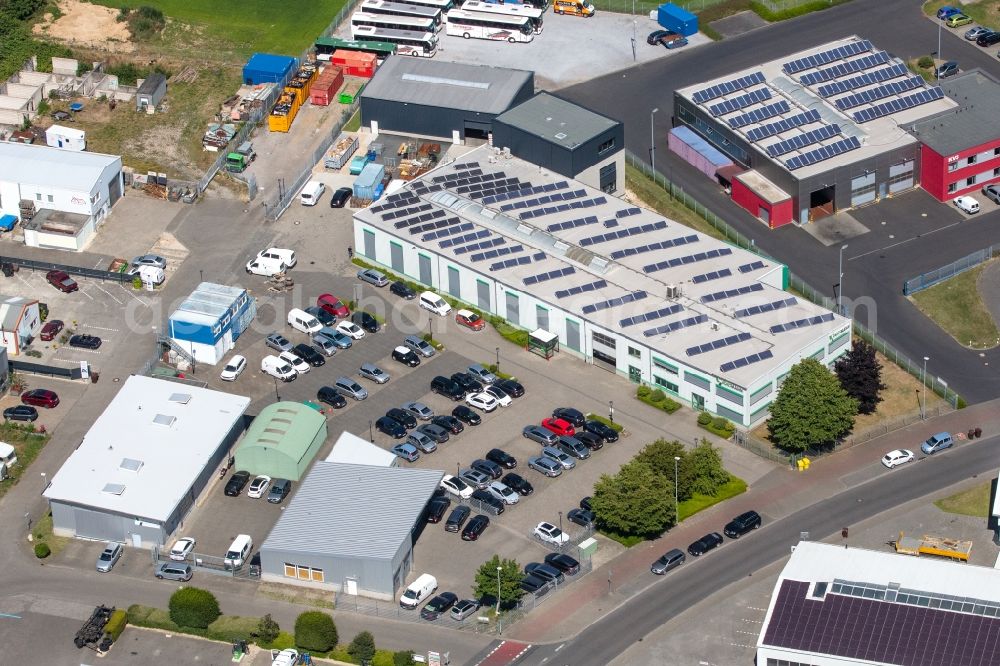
[295, 361]
[549, 533]
[274, 366]
[234, 368]
[351, 330]
[259, 487]
[483, 401]
[288, 657]
[897, 458]
[967, 204]
[499, 394]
[504, 493]
[287, 257]
[456, 486]
[182, 549]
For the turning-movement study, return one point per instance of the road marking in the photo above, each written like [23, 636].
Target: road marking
[561, 646]
[15, 617]
[129, 292]
[902, 242]
[100, 328]
[97, 286]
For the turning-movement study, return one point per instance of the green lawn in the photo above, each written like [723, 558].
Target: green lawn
[972, 502]
[655, 197]
[736, 486]
[28, 445]
[957, 307]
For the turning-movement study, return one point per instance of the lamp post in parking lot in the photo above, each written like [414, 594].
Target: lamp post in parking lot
[560, 530]
[498, 359]
[499, 624]
[371, 433]
[677, 510]
[277, 398]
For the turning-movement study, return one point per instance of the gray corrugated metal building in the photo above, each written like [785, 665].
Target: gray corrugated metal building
[151, 92]
[566, 138]
[349, 528]
[439, 99]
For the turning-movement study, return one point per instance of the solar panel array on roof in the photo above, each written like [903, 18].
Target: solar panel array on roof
[896, 105]
[586, 203]
[551, 275]
[676, 326]
[823, 153]
[461, 177]
[752, 266]
[728, 87]
[480, 184]
[499, 252]
[689, 259]
[394, 201]
[802, 323]
[717, 344]
[436, 224]
[447, 231]
[651, 316]
[510, 263]
[865, 79]
[538, 256]
[714, 275]
[879, 92]
[623, 233]
[414, 219]
[547, 198]
[825, 57]
[399, 213]
[741, 102]
[525, 192]
[660, 245]
[581, 288]
[746, 360]
[493, 242]
[466, 238]
[845, 68]
[615, 302]
[730, 293]
[759, 115]
[572, 224]
[801, 140]
[627, 212]
[783, 125]
[609, 224]
[766, 307]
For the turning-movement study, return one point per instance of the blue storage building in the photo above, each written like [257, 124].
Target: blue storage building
[210, 320]
[678, 19]
[268, 68]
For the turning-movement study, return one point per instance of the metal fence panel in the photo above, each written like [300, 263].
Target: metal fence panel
[47, 370]
[66, 268]
[931, 278]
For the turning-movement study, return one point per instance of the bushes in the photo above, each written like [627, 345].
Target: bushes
[925, 62]
[42, 550]
[704, 419]
[267, 629]
[193, 607]
[116, 625]
[605, 420]
[315, 631]
[716, 425]
[402, 658]
[362, 648]
[657, 398]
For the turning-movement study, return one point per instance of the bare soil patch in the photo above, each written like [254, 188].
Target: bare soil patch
[86, 25]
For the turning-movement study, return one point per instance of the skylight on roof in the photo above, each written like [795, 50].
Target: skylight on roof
[114, 488]
[130, 464]
[164, 419]
[182, 398]
[440, 80]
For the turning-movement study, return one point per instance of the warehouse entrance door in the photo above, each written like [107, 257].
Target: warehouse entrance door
[475, 129]
[821, 203]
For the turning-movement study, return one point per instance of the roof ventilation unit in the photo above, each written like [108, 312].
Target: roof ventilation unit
[673, 291]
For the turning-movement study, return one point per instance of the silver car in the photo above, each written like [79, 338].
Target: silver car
[324, 345]
[109, 556]
[475, 478]
[558, 456]
[418, 409]
[541, 435]
[174, 571]
[374, 373]
[419, 345]
[546, 466]
[503, 493]
[372, 276]
[278, 342]
[422, 441]
[573, 447]
[348, 386]
[992, 192]
[482, 374]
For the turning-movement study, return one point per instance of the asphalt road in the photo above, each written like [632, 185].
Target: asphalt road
[606, 639]
[894, 25]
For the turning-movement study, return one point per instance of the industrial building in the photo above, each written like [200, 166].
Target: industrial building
[72, 192]
[144, 462]
[207, 323]
[442, 100]
[20, 322]
[349, 528]
[814, 132]
[282, 441]
[350, 448]
[151, 92]
[833, 606]
[620, 286]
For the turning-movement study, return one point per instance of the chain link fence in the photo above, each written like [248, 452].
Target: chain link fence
[931, 278]
[644, 7]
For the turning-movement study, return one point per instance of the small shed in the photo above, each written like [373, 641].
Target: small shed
[151, 92]
[543, 343]
[267, 68]
[696, 151]
[282, 441]
[59, 136]
[369, 182]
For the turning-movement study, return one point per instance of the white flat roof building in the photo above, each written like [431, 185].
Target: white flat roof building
[349, 448]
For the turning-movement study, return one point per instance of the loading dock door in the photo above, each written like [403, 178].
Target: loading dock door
[475, 129]
[862, 190]
[901, 177]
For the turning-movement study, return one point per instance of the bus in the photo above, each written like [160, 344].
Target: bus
[325, 46]
[401, 9]
[487, 26]
[534, 15]
[536, 4]
[408, 42]
[361, 19]
[443, 5]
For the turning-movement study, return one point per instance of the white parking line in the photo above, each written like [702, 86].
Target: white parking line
[129, 292]
[97, 286]
[100, 328]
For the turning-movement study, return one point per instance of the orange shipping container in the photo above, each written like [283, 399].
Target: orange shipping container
[325, 88]
[355, 63]
[283, 113]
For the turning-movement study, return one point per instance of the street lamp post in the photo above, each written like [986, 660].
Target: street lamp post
[611, 410]
[371, 433]
[499, 621]
[840, 279]
[560, 529]
[652, 140]
[277, 398]
[923, 397]
[498, 359]
[677, 510]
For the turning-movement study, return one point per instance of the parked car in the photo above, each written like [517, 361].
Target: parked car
[989, 39]
[374, 373]
[419, 410]
[457, 517]
[470, 320]
[502, 458]
[419, 345]
[511, 387]
[153, 260]
[581, 517]
[332, 397]
[671, 559]
[350, 329]
[539, 434]
[463, 609]
[350, 388]
[405, 356]
[517, 483]
[258, 487]
[967, 204]
[323, 345]
[436, 509]
[309, 355]
[504, 493]
[182, 549]
[549, 533]
[946, 69]
[446, 387]
[292, 359]
[563, 562]
[171, 571]
[897, 458]
[558, 426]
[85, 341]
[708, 542]
[62, 281]
[332, 305]
[475, 528]
[545, 465]
[545, 571]
[278, 342]
[589, 439]
[406, 418]
[449, 423]
[456, 486]
[558, 456]
[438, 606]
[422, 441]
[483, 401]
[741, 524]
[52, 328]
[400, 289]
[278, 368]
[501, 396]
[467, 382]
[991, 192]
[482, 374]
[466, 415]
[40, 398]
[488, 467]
[535, 585]
[340, 197]
[486, 497]
[233, 368]
[946, 11]
[366, 321]
[602, 430]
[475, 478]
[322, 316]
[572, 416]
[407, 452]
[280, 489]
[958, 20]
[339, 340]
[938, 442]
[586, 503]
[283, 255]
[20, 413]
[390, 427]
[573, 447]
[373, 277]
[109, 556]
[972, 34]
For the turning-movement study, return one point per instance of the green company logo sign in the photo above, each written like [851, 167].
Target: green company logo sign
[842, 332]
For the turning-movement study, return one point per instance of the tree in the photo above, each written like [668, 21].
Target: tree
[703, 470]
[636, 501]
[659, 455]
[811, 409]
[267, 629]
[315, 631]
[860, 374]
[194, 607]
[485, 586]
[403, 658]
[362, 648]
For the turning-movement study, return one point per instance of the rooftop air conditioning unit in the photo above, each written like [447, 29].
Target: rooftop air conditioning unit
[506, 153]
[672, 291]
[715, 325]
[496, 150]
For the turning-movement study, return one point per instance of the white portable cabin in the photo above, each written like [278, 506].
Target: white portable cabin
[59, 136]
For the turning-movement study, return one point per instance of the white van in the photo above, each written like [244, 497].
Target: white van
[239, 551]
[8, 458]
[420, 589]
[276, 367]
[266, 267]
[301, 320]
[311, 193]
[431, 301]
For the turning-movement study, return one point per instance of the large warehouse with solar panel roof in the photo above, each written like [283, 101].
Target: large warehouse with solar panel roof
[814, 132]
[620, 286]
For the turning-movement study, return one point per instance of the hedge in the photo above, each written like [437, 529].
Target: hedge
[42, 550]
[194, 607]
[606, 421]
[227, 628]
[716, 425]
[315, 631]
[116, 624]
[657, 398]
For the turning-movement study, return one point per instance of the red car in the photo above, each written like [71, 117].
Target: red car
[40, 398]
[470, 319]
[51, 330]
[559, 426]
[333, 305]
[62, 281]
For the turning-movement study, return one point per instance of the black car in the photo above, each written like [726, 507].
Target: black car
[574, 416]
[20, 413]
[989, 39]
[546, 571]
[708, 542]
[446, 387]
[602, 430]
[741, 524]
[513, 388]
[581, 517]
[322, 315]
[535, 585]
[449, 423]
[563, 562]
[341, 197]
[85, 341]
[475, 528]
[405, 356]
[236, 483]
[436, 509]
[502, 458]
[585, 503]
[366, 320]
[457, 518]
[309, 355]
[401, 290]
[407, 419]
[488, 467]
[518, 484]
[391, 427]
[332, 397]
[655, 36]
[468, 383]
[438, 605]
[486, 498]
[590, 440]
[466, 415]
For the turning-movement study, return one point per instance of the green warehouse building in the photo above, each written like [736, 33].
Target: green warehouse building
[282, 441]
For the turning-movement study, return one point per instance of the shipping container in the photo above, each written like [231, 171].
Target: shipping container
[283, 113]
[696, 151]
[69, 138]
[675, 18]
[341, 152]
[326, 85]
[351, 90]
[369, 184]
[302, 82]
[355, 63]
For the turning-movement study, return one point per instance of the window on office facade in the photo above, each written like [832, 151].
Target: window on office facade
[605, 340]
[606, 146]
[634, 353]
[952, 187]
[542, 317]
[304, 573]
[785, 662]
[663, 383]
[663, 365]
